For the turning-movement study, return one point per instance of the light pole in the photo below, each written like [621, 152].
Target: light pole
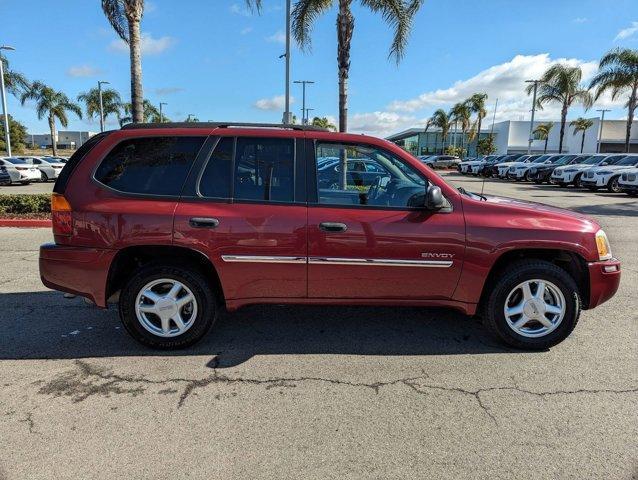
[99, 89]
[308, 110]
[287, 115]
[7, 139]
[304, 119]
[600, 131]
[531, 125]
[161, 115]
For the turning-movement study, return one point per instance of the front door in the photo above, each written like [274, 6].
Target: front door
[242, 213]
[375, 242]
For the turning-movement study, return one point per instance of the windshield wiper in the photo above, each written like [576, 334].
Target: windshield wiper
[469, 194]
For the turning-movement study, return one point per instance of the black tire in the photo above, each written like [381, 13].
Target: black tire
[538, 182]
[577, 183]
[207, 305]
[562, 185]
[25, 183]
[494, 316]
[43, 177]
[613, 185]
[526, 177]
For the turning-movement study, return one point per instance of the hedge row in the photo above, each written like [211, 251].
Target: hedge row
[24, 204]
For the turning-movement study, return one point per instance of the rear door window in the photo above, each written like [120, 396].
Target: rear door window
[151, 165]
[215, 181]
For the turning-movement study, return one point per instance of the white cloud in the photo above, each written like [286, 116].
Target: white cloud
[580, 20]
[168, 90]
[83, 71]
[275, 103]
[150, 45]
[381, 123]
[278, 37]
[149, 7]
[627, 32]
[246, 31]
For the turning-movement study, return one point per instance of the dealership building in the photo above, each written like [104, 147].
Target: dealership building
[512, 137]
[65, 139]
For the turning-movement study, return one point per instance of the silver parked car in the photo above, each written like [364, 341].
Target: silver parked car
[20, 171]
[49, 167]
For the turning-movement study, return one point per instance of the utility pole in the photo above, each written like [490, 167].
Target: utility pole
[531, 125]
[7, 138]
[287, 120]
[304, 118]
[99, 89]
[600, 130]
[161, 115]
[308, 110]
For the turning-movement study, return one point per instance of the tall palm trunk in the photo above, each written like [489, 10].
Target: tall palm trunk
[54, 143]
[137, 97]
[546, 139]
[563, 121]
[478, 133]
[633, 100]
[582, 142]
[345, 28]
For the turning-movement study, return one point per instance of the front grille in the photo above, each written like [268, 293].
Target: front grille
[631, 177]
[589, 175]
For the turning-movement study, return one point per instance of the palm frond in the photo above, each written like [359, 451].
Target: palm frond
[303, 16]
[115, 11]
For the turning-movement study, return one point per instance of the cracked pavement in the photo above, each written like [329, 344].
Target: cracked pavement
[300, 392]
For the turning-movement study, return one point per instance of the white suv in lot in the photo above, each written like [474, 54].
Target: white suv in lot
[628, 182]
[519, 170]
[20, 170]
[607, 176]
[503, 167]
[571, 174]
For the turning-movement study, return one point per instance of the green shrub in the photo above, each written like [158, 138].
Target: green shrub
[21, 204]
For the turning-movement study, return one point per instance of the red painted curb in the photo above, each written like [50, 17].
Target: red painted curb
[25, 222]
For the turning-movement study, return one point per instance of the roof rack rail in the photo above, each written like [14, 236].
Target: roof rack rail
[133, 126]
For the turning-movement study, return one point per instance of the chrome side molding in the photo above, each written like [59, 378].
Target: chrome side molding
[262, 259]
[374, 262]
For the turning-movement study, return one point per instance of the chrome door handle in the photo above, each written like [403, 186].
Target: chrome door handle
[333, 227]
[203, 222]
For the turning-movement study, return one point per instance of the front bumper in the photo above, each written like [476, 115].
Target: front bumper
[79, 270]
[628, 187]
[604, 279]
[597, 181]
[542, 176]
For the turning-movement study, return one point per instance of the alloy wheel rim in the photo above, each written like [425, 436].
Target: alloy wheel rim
[535, 308]
[166, 307]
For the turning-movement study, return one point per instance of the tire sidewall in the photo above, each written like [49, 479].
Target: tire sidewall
[206, 306]
[554, 275]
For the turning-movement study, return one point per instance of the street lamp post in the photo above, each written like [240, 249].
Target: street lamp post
[304, 118]
[308, 110]
[99, 89]
[7, 139]
[600, 131]
[161, 115]
[287, 115]
[531, 125]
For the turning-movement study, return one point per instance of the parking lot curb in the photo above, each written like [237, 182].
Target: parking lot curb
[25, 223]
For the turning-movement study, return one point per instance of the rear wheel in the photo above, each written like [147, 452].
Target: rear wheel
[613, 185]
[534, 306]
[167, 306]
[44, 177]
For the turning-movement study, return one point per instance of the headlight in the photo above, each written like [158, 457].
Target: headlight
[602, 243]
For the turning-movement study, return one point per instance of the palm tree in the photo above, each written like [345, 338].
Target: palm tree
[14, 82]
[441, 119]
[149, 115]
[561, 83]
[397, 13]
[618, 72]
[52, 104]
[323, 122]
[542, 132]
[581, 125]
[111, 102]
[476, 103]
[461, 113]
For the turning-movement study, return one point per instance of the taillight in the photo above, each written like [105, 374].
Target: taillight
[61, 215]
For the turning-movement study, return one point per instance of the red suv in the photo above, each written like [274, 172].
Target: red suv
[176, 221]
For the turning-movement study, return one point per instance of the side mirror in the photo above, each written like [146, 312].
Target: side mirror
[434, 198]
[604, 163]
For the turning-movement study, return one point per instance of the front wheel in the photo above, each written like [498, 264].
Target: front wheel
[534, 306]
[44, 177]
[167, 306]
[577, 182]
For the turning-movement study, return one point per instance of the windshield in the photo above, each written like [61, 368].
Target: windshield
[564, 160]
[628, 161]
[541, 159]
[593, 160]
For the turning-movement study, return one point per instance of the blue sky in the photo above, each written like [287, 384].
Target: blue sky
[216, 60]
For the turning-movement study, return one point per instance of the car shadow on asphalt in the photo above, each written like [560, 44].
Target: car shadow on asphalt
[627, 209]
[44, 325]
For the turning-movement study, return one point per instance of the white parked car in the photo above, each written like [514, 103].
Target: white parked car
[49, 167]
[20, 171]
[466, 166]
[607, 176]
[519, 170]
[629, 182]
[503, 166]
[571, 174]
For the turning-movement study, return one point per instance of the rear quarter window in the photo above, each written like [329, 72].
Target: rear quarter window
[151, 165]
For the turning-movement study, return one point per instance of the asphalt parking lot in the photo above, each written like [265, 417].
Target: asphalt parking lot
[291, 392]
[35, 187]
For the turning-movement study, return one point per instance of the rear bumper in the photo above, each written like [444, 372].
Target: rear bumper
[79, 270]
[604, 279]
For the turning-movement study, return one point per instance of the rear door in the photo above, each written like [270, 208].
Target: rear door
[244, 208]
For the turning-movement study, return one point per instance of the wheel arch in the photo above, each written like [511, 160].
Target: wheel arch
[571, 262]
[130, 259]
